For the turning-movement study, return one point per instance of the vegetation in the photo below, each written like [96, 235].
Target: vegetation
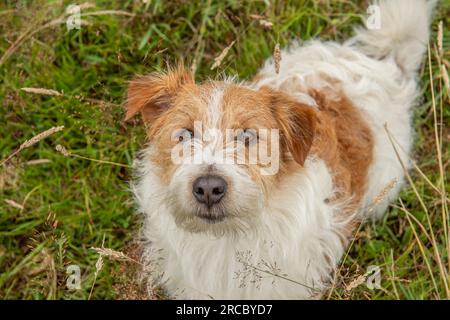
[57, 204]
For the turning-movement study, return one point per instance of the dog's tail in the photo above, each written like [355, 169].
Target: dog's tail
[396, 29]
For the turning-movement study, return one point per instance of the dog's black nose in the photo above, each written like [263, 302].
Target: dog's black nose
[209, 189]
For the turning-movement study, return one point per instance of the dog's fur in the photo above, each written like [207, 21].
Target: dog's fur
[283, 234]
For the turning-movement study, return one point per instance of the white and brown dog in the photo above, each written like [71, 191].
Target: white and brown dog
[234, 229]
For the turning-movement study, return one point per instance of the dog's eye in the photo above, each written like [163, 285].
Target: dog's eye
[247, 136]
[183, 135]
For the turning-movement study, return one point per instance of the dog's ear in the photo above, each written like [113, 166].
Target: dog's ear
[297, 123]
[152, 94]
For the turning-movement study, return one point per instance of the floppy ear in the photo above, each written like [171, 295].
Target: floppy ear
[297, 123]
[152, 94]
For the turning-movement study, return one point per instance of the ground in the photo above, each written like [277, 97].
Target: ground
[55, 205]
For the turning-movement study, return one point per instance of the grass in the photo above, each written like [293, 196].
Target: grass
[54, 210]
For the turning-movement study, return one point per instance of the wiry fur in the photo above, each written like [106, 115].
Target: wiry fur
[403, 36]
[298, 237]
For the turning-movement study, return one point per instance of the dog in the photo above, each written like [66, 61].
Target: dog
[337, 117]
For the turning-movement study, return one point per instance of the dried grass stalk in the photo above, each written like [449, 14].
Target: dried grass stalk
[356, 283]
[265, 24]
[14, 204]
[112, 254]
[67, 153]
[99, 264]
[40, 136]
[277, 57]
[32, 141]
[86, 5]
[62, 150]
[382, 195]
[440, 38]
[43, 91]
[218, 60]
[108, 12]
[38, 161]
[256, 16]
[444, 74]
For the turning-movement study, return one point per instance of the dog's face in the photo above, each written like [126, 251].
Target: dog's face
[219, 148]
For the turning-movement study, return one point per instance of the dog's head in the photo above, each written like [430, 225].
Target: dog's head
[219, 148]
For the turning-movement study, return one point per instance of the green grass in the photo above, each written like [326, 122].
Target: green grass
[90, 200]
